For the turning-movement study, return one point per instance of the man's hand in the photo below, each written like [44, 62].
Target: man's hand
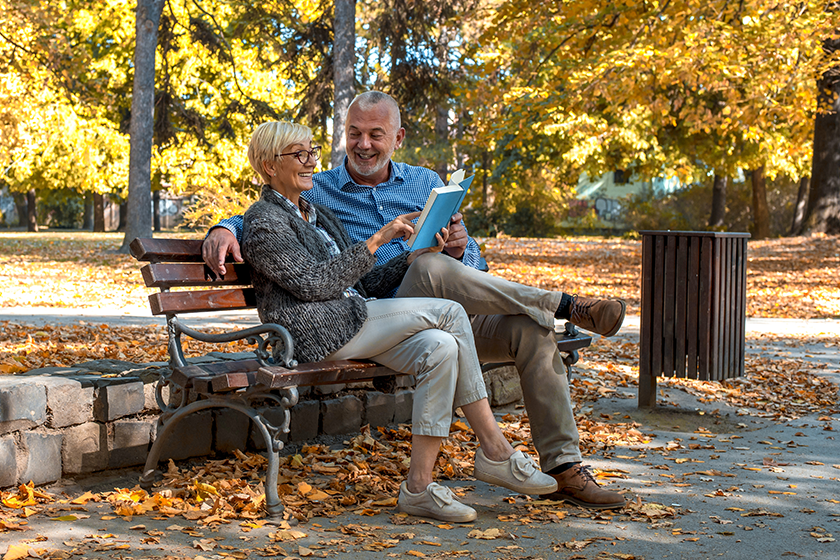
[441, 244]
[458, 238]
[218, 244]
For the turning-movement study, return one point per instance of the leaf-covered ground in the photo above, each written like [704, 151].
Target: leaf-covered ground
[792, 277]
[788, 278]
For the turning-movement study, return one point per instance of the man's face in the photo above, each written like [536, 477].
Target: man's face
[372, 137]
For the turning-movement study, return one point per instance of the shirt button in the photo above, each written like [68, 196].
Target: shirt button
[374, 189]
[380, 208]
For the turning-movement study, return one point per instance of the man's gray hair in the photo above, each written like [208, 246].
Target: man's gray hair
[368, 99]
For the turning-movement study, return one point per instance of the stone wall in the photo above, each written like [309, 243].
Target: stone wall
[103, 415]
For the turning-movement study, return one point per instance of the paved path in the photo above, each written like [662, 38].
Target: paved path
[739, 486]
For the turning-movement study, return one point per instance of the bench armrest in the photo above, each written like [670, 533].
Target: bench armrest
[265, 335]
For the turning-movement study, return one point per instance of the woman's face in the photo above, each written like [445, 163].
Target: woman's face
[292, 175]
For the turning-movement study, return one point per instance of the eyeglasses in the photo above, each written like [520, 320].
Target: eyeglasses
[303, 155]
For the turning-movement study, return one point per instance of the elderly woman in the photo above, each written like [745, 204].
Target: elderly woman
[309, 277]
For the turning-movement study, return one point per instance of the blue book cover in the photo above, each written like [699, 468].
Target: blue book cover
[443, 202]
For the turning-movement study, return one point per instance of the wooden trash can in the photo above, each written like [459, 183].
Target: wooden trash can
[694, 288]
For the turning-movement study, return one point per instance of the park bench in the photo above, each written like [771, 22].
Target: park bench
[271, 377]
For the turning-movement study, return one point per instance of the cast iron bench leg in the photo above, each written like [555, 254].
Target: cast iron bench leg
[273, 446]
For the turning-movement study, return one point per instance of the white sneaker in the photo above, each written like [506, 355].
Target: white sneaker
[517, 473]
[437, 502]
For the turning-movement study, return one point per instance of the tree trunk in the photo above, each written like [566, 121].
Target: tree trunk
[98, 212]
[823, 214]
[156, 209]
[718, 216]
[801, 206]
[442, 107]
[20, 204]
[124, 217]
[344, 76]
[442, 138]
[31, 211]
[87, 218]
[141, 129]
[761, 213]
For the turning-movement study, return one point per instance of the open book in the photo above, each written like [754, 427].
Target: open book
[443, 202]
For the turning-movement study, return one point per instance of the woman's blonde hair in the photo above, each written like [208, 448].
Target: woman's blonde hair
[269, 139]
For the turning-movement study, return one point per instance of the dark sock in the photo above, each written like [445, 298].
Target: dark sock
[562, 468]
[564, 310]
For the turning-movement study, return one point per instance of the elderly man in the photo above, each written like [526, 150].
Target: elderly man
[510, 321]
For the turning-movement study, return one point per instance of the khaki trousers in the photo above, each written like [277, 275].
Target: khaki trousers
[431, 339]
[510, 322]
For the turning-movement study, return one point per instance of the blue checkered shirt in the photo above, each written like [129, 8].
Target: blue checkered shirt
[364, 210]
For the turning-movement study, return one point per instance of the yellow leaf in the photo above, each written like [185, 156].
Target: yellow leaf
[16, 551]
[304, 488]
[83, 499]
[317, 495]
[416, 553]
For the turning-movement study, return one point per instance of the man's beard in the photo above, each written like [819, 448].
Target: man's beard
[368, 171]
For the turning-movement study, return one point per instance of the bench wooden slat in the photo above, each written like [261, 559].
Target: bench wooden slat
[162, 250]
[321, 373]
[204, 300]
[168, 275]
[233, 381]
[184, 376]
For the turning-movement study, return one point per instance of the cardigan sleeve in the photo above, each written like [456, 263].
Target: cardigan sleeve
[273, 248]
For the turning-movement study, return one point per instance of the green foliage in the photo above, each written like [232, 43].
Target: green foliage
[687, 209]
[61, 209]
[211, 205]
[526, 95]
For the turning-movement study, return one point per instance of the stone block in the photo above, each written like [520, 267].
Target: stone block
[191, 437]
[107, 366]
[504, 386]
[43, 458]
[379, 408]
[8, 461]
[85, 448]
[128, 442]
[23, 405]
[150, 401]
[231, 430]
[328, 389]
[342, 415]
[232, 356]
[116, 401]
[404, 401]
[404, 381]
[68, 403]
[305, 422]
[55, 371]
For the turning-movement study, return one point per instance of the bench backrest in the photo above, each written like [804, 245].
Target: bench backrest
[177, 263]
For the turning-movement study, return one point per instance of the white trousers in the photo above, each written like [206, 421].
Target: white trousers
[431, 339]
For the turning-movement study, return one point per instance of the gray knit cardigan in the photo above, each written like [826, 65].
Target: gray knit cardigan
[300, 286]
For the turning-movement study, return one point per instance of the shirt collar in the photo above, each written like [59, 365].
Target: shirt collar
[397, 174]
[289, 205]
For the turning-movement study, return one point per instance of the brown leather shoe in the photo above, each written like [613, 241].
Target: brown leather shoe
[601, 316]
[577, 486]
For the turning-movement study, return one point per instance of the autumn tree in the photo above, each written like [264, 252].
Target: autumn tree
[823, 213]
[344, 73]
[656, 88]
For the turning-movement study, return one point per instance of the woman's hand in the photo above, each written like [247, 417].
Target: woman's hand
[400, 226]
[441, 237]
